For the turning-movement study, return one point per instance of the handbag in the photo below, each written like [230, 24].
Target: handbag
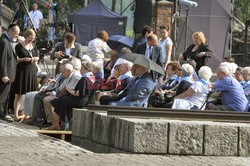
[63, 93]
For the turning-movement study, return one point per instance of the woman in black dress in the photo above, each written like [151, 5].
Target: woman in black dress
[197, 51]
[26, 70]
[78, 97]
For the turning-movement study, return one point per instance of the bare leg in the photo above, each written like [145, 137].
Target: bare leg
[56, 120]
[17, 105]
[211, 106]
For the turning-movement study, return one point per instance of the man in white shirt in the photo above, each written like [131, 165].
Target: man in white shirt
[36, 16]
[98, 49]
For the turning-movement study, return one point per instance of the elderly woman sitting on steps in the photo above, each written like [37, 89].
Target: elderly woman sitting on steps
[196, 94]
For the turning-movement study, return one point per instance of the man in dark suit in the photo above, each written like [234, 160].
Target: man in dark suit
[7, 64]
[152, 51]
[146, 31]
[66, 49]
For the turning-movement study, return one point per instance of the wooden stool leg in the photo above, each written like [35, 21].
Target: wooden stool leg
[63, 137]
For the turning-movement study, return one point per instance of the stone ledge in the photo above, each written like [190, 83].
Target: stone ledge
[162, 136]
[94, 147]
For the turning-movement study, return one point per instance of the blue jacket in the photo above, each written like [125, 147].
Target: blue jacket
[139, 93]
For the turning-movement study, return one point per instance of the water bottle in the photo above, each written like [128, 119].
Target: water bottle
[162, 97]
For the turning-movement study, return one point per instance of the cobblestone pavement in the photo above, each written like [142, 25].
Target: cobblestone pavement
[24, 147]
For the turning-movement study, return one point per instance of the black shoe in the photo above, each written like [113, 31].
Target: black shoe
[46, 124]
[33, 122]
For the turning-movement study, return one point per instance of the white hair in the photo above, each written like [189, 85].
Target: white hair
[246, 69]
[86, 58]
[234, 66]
[68, 67]
[224, 69]
[229, 66]
[187, 69]
[205, 73]
[128, 64]
[76, 63]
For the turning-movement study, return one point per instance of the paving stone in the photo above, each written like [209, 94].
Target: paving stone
[37, 150]
[88, 125]
[118, 130]
[74, 117]
[244, 141]
[97, 127]
[148, 137]
[105, 131]
[112, 131]
[221, 140]
[126, 135]
[82, 123]
[185, 138]
[75, 122]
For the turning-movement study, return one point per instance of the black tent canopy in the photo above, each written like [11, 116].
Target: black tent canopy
[93, 18]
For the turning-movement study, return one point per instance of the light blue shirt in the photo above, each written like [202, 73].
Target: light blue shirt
[232, 94]
[163, 43]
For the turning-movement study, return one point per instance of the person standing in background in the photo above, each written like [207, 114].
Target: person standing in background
[68, 48]
[98, 49]
[152, 51]
[146, 31]
[36, 16]
[197, 51]
[7, 65]
[166, 45]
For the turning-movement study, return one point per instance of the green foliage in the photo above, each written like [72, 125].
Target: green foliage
[68, 7]
[244, 6]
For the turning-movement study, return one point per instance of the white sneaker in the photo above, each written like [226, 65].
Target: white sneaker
[8, 119]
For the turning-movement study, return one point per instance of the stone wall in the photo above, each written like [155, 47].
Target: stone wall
[159, 136]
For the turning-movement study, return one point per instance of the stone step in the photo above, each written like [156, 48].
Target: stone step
[160, 136]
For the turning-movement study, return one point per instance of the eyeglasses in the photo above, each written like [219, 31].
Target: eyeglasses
[31, 38]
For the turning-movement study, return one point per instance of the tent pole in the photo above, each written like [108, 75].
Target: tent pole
[1, 1]
[121, 6]
[113, 5]
[127, 7]
[245, 42]
[175, 30]
[186, 26]
[231, 29]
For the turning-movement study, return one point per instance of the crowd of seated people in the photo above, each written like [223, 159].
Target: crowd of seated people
[124, 77]
[196, 94]
[119, 82]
